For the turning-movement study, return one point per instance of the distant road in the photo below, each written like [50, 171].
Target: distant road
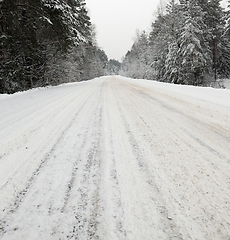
[114, 158]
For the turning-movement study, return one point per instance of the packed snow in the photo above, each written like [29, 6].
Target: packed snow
[115, 158]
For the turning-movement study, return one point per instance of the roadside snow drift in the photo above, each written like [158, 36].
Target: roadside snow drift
[115, 158]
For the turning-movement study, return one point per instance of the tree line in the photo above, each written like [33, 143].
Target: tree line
[189, 43]
[46, 42]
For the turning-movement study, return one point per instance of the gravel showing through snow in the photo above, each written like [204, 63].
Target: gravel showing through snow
[115, 158]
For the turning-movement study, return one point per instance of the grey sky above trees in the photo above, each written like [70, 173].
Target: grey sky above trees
[117, 22]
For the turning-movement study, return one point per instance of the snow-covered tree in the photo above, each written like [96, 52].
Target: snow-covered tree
[69, 19]
[219, 43]
[159, 46]
[113, 67]
[136, 63]
[188, 44]
[37, 41]
[194, 50]
[172, 68]
[172, 61]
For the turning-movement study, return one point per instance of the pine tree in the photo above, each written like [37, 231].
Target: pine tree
[21, 59]
[189, 43]
[37, 41]
[113, 67]
[194, 51]
[172, 61]
[218, 42]
[69, 19]
[159, 44]
[137, 61]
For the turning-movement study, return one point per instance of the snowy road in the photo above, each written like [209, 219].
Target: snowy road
[114, 158]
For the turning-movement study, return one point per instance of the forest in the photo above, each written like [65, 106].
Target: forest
[49, 42]
[46, 42]
[189, 43]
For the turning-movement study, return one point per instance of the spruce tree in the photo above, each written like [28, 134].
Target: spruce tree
[172, 61]
[194, 50]
[38, 39]
[218, 42]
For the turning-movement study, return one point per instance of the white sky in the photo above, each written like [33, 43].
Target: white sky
[117, 21]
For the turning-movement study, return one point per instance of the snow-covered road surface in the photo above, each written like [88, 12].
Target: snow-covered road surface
[115, 158]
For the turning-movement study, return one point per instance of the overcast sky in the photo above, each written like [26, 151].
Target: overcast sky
[116, 22]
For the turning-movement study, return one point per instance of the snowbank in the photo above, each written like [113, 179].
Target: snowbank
[212, 95]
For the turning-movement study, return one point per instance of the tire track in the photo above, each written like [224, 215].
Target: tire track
[12, 208]
[168, 224]
[87, 223]
[178, 135]
[117, 214]
[120, 163]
